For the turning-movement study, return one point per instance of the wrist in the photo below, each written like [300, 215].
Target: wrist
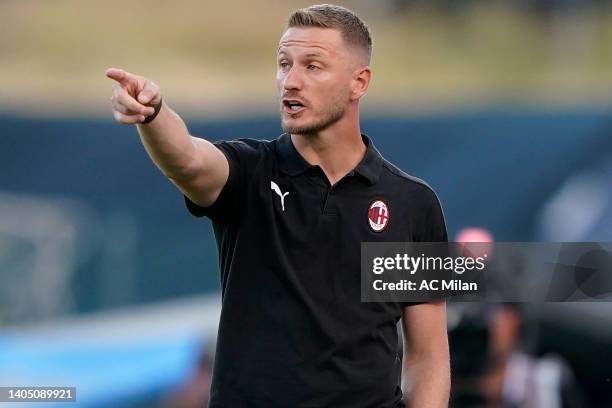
[157, 108]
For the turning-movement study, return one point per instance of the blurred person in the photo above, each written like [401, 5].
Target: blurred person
[517, 379]
[490, 367]
[491, 370]
[474, 234]
[505, 274]
[289, 216]
[481, 240]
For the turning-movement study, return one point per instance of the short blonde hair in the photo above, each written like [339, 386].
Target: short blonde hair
[354, 31]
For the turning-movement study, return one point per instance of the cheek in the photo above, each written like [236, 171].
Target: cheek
[332, 87]
[336, 95]
[341, 87]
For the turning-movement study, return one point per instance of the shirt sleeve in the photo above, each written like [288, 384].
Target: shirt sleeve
[433, 230]
[228, 206]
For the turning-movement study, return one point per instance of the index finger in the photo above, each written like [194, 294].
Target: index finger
[118, 75]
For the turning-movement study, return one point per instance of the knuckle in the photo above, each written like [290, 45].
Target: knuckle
[119, 108]
[118, 96]
[122, 98]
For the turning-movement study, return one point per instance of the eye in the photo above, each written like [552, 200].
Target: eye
[312, 67]
[283, 65]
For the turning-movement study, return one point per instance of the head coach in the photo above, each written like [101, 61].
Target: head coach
[289, 216]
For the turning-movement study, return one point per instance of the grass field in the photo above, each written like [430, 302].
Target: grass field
[211, 56]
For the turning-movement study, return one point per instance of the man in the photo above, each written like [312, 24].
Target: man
[289, 217]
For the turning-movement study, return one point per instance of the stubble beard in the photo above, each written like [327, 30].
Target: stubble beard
[332, 115]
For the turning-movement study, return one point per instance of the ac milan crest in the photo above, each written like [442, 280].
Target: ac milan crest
[378, 216]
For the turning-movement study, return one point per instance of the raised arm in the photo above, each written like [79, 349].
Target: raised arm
[426, 362]
[194, 165]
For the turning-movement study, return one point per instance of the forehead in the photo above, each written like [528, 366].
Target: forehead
[296, 40]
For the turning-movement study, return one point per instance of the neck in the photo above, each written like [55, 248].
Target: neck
[337, 149]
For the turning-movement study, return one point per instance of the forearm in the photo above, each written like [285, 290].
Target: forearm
[196, 166]
[426, 381]
[169, 144]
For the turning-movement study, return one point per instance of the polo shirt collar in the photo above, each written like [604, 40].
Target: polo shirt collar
[292, 163]
[371, 164]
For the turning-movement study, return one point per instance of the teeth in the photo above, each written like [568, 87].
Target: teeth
[295, 107]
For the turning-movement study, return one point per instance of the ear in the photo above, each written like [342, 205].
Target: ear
[360, 82]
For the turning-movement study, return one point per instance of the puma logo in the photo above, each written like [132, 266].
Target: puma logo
[278, 191]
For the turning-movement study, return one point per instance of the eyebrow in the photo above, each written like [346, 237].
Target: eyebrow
[309, 55]
[314, 54]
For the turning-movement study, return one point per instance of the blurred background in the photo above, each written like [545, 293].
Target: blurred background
[107, 283]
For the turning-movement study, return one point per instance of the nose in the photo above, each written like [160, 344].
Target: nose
[292, 79]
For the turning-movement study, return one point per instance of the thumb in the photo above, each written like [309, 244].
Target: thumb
[145, 97]
[149, 94]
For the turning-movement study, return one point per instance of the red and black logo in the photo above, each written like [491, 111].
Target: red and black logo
[378, 216]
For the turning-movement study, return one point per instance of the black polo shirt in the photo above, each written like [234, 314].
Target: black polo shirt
[293, 331]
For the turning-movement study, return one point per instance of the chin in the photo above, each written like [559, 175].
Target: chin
[301, 126]
[298, 129]
[296, 126]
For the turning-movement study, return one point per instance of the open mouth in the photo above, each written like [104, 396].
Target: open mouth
[292, 106]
